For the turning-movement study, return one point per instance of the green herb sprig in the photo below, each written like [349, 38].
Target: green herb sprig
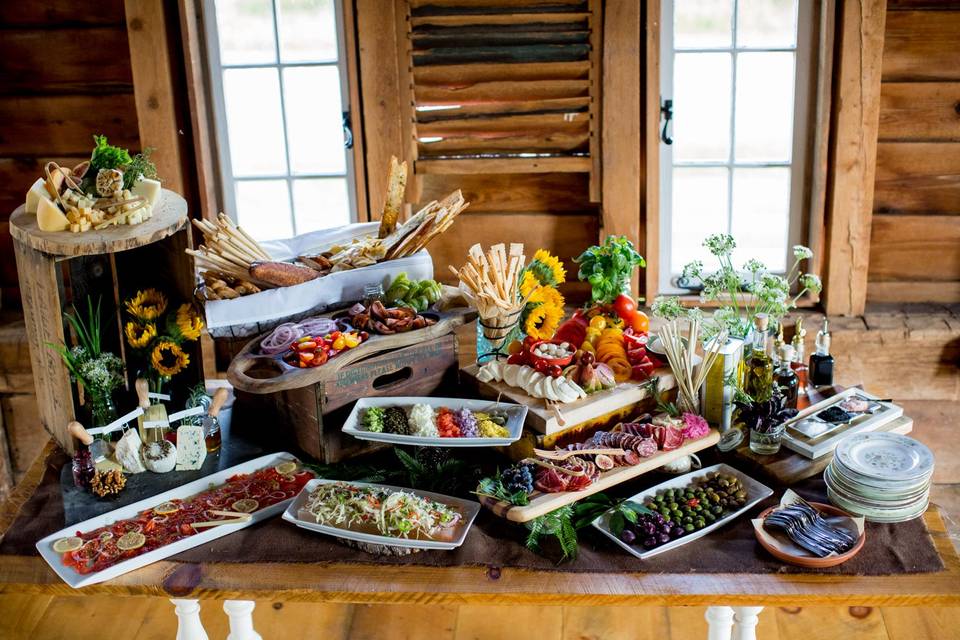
[608, 268]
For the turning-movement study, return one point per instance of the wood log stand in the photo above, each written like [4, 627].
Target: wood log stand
[39, 255]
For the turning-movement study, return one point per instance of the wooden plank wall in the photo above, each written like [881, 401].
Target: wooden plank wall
[915, 246]
[66, 75]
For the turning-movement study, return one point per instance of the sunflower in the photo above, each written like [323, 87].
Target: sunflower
[528, 284]
[548, 295]
[542, 321]
[168, 359]
[188, 322]
[550, 266]
[140, 335]
[147, 304]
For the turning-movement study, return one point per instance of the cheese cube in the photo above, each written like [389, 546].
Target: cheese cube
[191, 447]
[50, 218]
[36, 193]
[149, 189]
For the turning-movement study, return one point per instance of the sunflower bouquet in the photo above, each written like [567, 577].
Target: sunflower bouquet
[543, 311]
[159, 333]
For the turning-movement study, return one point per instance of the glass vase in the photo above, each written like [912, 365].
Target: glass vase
[767, 443]
[102, 409]
[494, 348]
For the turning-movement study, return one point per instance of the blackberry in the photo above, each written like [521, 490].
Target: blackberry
[518, 478]
[395, 421]
[432, 457]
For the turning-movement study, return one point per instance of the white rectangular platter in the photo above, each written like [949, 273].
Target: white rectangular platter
[516, 414]
[77, 580]
[755, 493]
[468, 508]
[814, 448]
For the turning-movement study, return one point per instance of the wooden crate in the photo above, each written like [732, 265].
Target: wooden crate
[316, 412]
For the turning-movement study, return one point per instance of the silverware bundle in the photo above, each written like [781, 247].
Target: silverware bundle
[807, 528]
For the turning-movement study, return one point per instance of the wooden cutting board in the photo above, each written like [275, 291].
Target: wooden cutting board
[541, 503]
[621, 399]
[789, 467]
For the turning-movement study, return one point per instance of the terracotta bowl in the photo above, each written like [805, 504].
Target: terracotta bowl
[810, 561]
[549, 361]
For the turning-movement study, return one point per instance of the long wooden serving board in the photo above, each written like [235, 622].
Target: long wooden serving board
[543, 503]
[543, 419]
[254, 372]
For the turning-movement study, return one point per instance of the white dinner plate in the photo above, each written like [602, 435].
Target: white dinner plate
[886, 456]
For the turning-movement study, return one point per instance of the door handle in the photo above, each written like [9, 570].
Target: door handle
[666, 111]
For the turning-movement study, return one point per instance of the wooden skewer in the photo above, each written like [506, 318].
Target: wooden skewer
[233, 514]
[563, 455]
[217, 523]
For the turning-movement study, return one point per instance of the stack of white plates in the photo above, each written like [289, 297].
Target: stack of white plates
[884, 477]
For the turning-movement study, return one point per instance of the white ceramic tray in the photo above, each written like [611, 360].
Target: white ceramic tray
[77, 580]
[516, 414]
[468, 508]
[755, 493]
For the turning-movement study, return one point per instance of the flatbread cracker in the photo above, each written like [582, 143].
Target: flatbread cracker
[396, 186]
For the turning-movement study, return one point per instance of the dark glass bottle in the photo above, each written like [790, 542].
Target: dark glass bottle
[786, 378]
[821, 362]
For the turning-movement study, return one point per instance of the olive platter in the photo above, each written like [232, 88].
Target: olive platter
[677, 519]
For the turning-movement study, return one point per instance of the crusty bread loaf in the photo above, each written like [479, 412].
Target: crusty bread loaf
[282, 274]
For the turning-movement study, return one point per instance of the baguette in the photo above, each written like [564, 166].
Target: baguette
[282, 274]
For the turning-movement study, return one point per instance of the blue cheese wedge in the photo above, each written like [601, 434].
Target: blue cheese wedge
[191, 448]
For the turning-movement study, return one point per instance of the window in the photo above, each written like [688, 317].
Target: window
[279, 100]
[737, 73]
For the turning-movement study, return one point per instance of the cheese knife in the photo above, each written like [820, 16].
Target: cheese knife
[99, 449]
[211, 421]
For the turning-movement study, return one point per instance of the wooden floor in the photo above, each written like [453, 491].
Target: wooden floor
[79, 618]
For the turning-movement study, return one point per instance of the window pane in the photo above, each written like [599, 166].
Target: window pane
[320, 203]
[263, 208]
[699, 209]
[245, 29]
[702, 23]
[761, 215]
[701, 106]
[764, 120]
[314, 119]
[308, 30]
[254, 121]
[766, 23]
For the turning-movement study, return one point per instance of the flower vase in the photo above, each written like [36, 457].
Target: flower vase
[102, 409]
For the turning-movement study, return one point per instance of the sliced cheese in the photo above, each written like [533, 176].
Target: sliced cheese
[49, 216]
[191, 448]
[36, 193]
[511, 374]
[149, 189]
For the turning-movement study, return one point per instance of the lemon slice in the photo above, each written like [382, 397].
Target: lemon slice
[286, 468]
[63, 545]
[166, 507]
[246, 505]
[131, 540]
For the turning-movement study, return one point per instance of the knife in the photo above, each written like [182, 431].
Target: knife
[99, 449]
[211, 421]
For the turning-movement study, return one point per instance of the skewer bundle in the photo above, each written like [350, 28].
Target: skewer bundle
[680, 352]
[491, 280]
[228, 250]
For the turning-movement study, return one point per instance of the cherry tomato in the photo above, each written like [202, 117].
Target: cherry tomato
[625, 307]
[640, 322]
[517, 358]
[554, 371]
[515, 347]
[598, 322]
[541, 366]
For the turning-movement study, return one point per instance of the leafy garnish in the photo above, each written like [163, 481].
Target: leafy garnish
[609, 267]
[139, 166]
[494, 488]
[107, 156]
[559, 524]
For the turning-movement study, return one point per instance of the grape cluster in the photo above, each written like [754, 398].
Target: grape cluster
[651, 530]
[518, 478]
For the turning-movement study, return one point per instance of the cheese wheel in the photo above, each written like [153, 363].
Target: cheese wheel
[36, 193]
[49, 216]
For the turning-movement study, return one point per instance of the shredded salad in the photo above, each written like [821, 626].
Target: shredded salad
[397, 514]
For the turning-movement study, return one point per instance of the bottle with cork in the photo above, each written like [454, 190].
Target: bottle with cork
[821, 362]
[786, 378]
[799, 364]
[758, 380]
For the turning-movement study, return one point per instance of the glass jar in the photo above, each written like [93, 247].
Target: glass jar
[102, 409]
[766, 443]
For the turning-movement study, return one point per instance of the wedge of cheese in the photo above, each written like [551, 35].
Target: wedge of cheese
[149, 189]
[37, 193]
[127, 452]
[191, 448]
[49, 216]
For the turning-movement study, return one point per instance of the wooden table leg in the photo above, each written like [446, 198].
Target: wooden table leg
[745, 621]
[189, 626]
[241, 620]
[40, 291]
[720, 621]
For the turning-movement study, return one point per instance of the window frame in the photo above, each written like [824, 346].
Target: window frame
[214, 80]
[805, 129]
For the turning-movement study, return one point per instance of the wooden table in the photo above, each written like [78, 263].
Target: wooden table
[734, 599]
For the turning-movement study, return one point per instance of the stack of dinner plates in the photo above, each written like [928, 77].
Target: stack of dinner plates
[884, 477]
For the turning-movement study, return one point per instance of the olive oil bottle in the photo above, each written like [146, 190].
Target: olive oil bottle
[759, 366]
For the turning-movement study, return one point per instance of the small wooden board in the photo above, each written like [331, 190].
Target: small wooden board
[541, 503]
[789, 467]
[277, 376]
[542, 419]
[169, 216]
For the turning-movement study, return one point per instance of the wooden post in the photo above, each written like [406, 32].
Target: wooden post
[651, 149]
[856, 122]
[39, 290]
[621, 122]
